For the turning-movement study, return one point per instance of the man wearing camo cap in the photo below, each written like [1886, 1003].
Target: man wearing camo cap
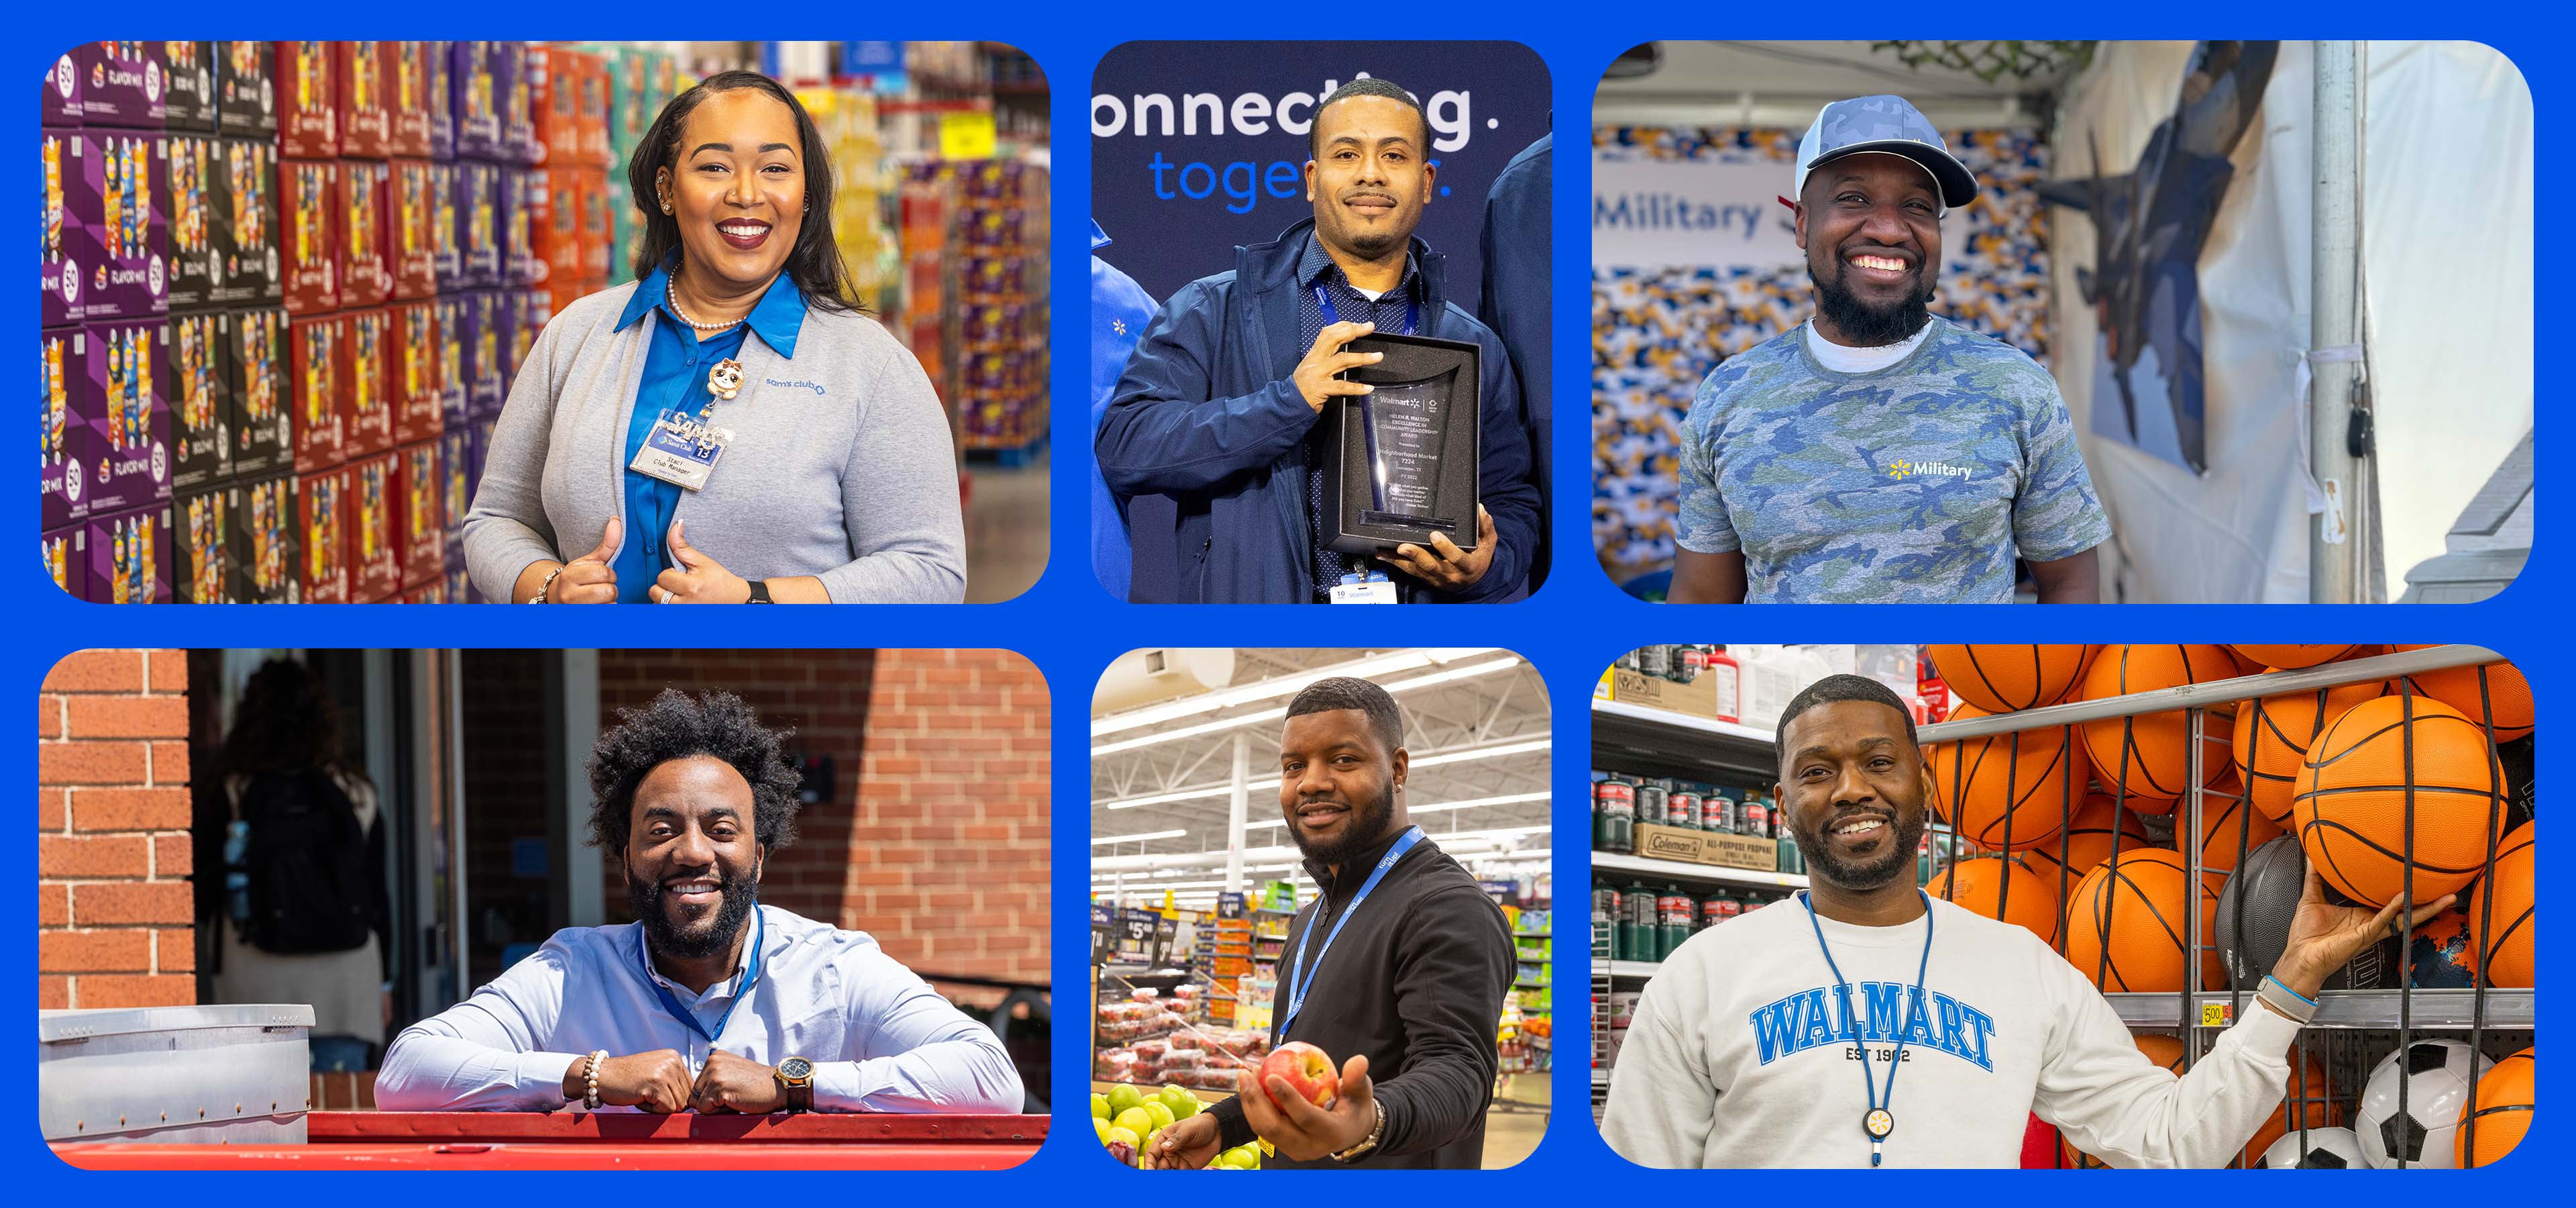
[1880, 453]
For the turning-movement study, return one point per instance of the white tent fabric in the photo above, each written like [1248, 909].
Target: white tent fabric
[2447, 248]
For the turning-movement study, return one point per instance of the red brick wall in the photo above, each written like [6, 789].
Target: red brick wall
[935, 841]
[113, 901]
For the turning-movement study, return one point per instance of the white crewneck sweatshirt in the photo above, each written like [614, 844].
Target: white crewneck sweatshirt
[1742, 1053]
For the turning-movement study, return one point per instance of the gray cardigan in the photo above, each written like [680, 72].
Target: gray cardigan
[841, 467]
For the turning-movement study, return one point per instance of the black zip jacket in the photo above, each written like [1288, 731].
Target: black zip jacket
[1416, 985]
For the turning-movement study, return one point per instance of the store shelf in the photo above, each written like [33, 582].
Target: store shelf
[1639, 736]
[2512, 1010]
[1627, 970]
[1603, 862]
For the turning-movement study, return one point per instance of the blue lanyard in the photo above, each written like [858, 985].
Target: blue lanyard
[1297, 983]
[1878, 1124]
[1412, 311]
[673, 1005]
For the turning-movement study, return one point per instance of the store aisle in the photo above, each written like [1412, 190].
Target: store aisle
[1006, 530]
[1518, 1120]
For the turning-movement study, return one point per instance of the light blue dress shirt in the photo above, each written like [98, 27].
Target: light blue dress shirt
[880, 1039]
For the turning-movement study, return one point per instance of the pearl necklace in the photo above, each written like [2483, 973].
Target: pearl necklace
[670, 290]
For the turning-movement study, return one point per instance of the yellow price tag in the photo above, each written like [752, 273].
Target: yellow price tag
[2213, 1014]
[966, 136]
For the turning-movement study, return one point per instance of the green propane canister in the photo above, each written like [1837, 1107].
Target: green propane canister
[1637, 926]
[1682, 810]
[1717, 811]
[1753, 817]
[1676, 916]
[1716, 908]
[1614, 817]
[1652, 802]
[1791, 861]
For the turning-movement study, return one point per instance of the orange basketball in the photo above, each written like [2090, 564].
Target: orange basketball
[2086, 842]
[2223, 815]
[2001, 679]
[2148, 753]
[2503, 1108]
[2273, 734]
[2506, 691]
[2349, 806]
[2000, 888]
[2289, 658]
[2125, 923]
[2007, 790]
[2505, 960]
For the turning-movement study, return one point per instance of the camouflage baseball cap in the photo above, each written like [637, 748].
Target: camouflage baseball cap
[1890, 125]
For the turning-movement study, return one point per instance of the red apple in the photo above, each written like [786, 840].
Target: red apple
[1306, 1070]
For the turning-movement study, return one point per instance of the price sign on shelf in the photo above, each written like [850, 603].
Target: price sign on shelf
[966, 136]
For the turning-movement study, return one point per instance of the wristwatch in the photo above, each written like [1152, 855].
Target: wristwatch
[1367, 1144]
[760, 592]
[796, 1078]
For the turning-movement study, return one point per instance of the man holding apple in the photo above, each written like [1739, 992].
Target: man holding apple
[1398, 970]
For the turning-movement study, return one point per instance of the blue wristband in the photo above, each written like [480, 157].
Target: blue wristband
[2285, 989]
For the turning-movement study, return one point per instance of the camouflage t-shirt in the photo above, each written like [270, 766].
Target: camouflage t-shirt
[1915, 484]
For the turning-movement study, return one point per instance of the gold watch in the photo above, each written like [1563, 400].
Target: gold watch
[1367, 1144]
[796, 1077]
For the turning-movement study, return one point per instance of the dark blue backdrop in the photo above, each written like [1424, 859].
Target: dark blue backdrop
[1178, 187]
[1071, 628]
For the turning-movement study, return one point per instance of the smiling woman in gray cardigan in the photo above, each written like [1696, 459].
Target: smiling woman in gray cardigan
[837, 480]
[841, 465]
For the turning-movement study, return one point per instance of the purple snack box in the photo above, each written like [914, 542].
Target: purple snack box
[200, 531]
[188, 99]
[201, 401]
[487, 333]
[519, 264]
[438, 58]
[129, 556]
[62, 426]
[58, 102]
[124, 395]
[245, 223]
[475, 99]
[452, 384]
[257, 366]
[518, 142]
[456, 481]
[245, 90]
[446, 249]
[122, 84]
[481, 448]
[460, 590]
[62, 281]
[118, 185]
[66, 552]
[263, 541]
[196, 199]
[478, 224]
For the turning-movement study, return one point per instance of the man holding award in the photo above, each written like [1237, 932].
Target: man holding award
[1308, 468]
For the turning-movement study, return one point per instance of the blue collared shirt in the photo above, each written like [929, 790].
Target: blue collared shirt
[881, 1039]
[675, 378]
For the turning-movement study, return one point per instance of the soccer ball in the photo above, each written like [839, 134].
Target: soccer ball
[2328, 1149]
[2439, 1076]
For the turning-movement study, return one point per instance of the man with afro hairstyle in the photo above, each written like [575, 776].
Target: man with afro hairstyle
[709, 1000]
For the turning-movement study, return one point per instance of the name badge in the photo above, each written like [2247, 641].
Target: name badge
[681, 450]
[1371, 588]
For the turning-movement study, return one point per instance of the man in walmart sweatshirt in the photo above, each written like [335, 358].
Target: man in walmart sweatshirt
[1744, 1048]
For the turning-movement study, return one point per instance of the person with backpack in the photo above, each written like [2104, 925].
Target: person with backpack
[302, 916]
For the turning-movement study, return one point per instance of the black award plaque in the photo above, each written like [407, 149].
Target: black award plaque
[1405, 455]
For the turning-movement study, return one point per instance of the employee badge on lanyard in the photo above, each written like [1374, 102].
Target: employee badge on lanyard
[682, 449]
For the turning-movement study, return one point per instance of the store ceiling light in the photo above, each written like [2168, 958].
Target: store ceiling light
[1106, 840]
[1285, 685]
[1496, 751]
[1281, 713]
[1437, 807]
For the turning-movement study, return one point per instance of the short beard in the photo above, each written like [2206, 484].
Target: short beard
[1369, 824]
[715, 935]
[1860, 878]
[1863, 325]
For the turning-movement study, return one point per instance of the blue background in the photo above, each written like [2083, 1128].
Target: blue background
[1071, 628]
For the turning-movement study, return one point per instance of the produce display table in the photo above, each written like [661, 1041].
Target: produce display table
[602, 1140]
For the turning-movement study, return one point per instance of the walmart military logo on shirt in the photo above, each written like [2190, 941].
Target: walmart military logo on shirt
[1917, 484]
